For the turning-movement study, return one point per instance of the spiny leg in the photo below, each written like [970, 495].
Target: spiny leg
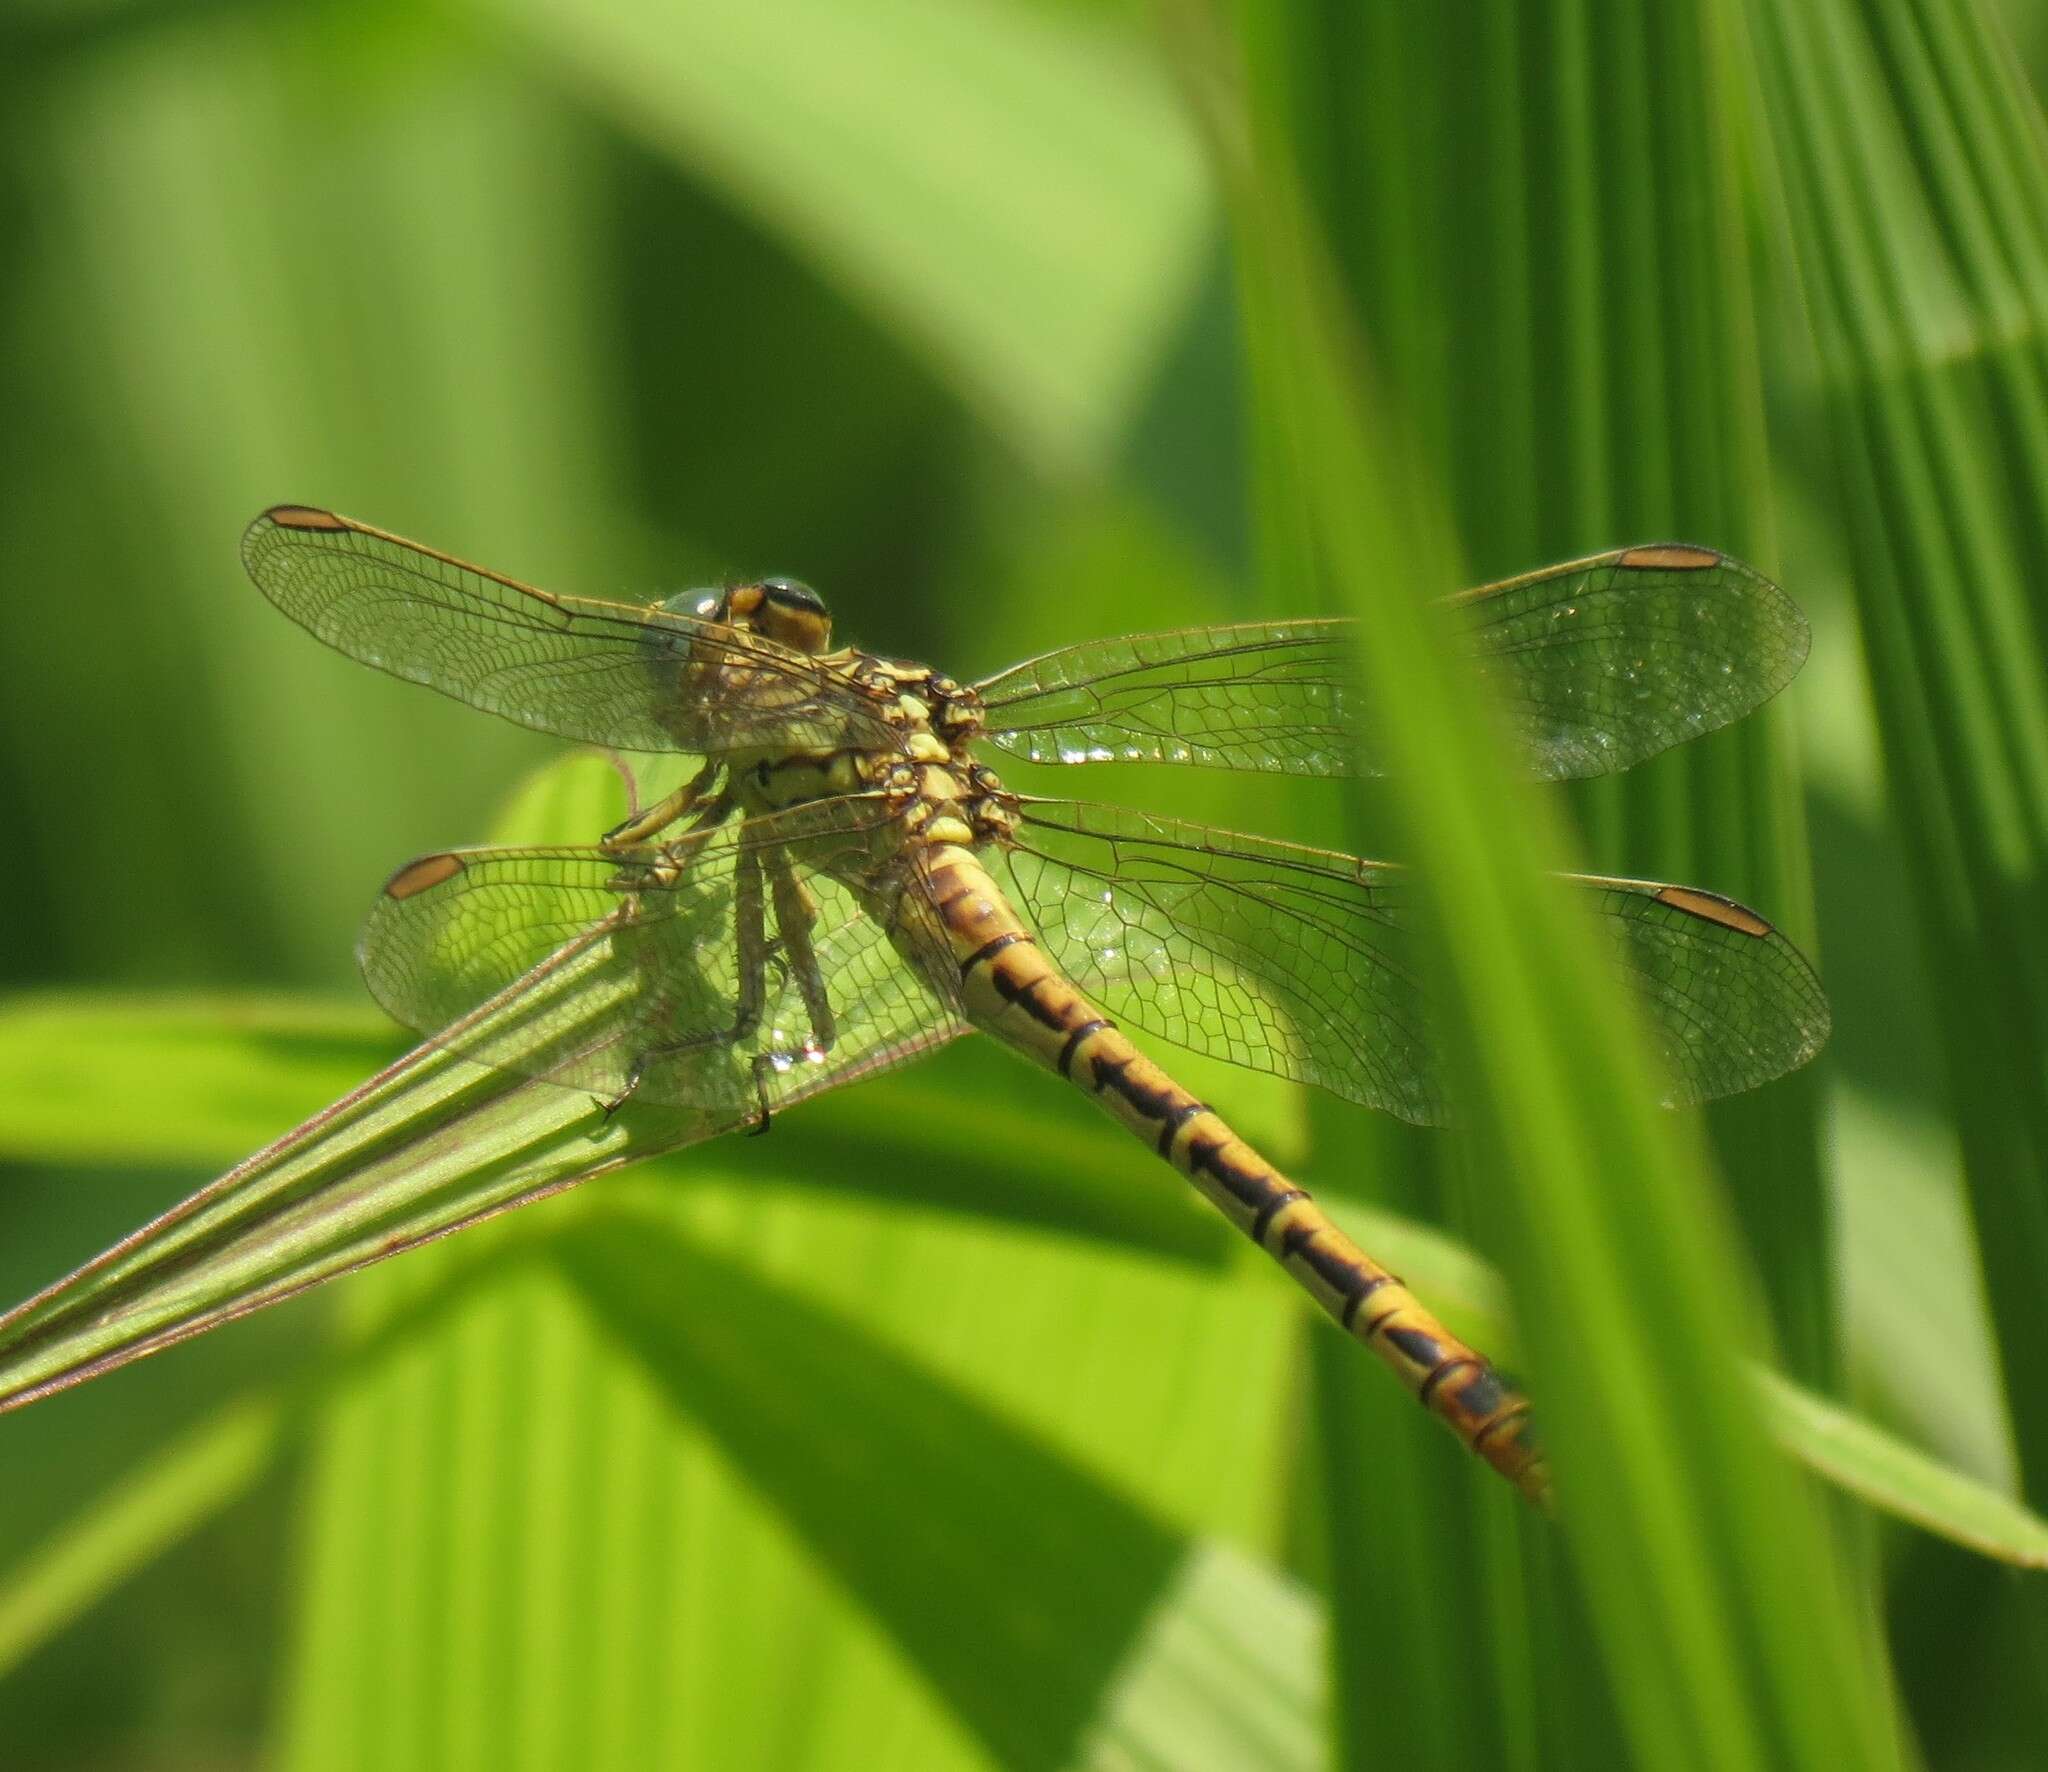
[639, 826]
[751, 940]
[796, 913]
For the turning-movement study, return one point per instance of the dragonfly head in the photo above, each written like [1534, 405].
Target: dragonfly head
[784, 610]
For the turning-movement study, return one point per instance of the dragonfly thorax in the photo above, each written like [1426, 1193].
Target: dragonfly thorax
[937, 788]
[920, 758]
[950, 802]
[917, 699]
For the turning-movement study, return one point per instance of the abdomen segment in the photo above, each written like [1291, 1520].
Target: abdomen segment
[1011, 990]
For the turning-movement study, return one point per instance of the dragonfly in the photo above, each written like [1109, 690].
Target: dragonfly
[846, 883]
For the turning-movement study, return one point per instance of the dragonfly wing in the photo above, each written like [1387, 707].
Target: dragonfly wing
[1276, 957]
[1605, 662]
[600, 971]
[1601, 663]
[1731, 1002]
[631, 678]
[1307, 963]
[1279, 696]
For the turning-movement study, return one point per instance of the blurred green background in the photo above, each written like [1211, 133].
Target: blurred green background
[948, 309]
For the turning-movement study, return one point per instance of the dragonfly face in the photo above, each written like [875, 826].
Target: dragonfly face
[784, 610]
[748, 647]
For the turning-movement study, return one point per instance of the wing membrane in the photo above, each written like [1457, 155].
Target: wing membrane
[1306, 963]
[1601, 662]
[634, 679]
[593, 969]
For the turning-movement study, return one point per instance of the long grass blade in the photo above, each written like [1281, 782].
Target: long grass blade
[1599, 1203]
[1563, 407]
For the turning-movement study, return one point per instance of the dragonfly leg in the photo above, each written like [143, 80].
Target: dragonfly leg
[608, 1105]
[796, 913]
[640, 825]
[764, 1068]
[751, 934]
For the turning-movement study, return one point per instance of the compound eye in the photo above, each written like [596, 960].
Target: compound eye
[698, 604]
[793, 595]
[787, 611]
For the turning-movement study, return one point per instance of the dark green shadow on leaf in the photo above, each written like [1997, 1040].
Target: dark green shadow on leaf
[1016, 1583]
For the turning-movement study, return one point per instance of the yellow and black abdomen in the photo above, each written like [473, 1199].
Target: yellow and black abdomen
[1011, 990]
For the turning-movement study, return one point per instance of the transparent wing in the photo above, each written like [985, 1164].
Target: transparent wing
[1601, 662]
[634, 679]
[1306, 963]
[599, 971]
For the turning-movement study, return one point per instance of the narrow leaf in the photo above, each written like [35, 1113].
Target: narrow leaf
[424, 1148]
[1906, 1483]
[1599, 1204]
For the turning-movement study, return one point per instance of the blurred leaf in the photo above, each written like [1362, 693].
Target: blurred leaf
[1479, 174]
[1892, 1476]
[96, 1076]
[1912, 1290]
[120, 1531]
[361, 268]
[1914, 170]
[117, 1533]
[1010, 190]
[518, 1529]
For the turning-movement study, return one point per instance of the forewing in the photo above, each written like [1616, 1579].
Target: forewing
[1277, 696]
[1307, 963]
[1601, 663]
[595, 970]
[1605, 662]
[631, 678]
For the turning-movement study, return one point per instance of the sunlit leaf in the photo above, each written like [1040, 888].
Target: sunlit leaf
[1031, 219]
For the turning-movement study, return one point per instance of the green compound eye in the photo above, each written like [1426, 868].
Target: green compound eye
[698, 603]
[793, 594]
